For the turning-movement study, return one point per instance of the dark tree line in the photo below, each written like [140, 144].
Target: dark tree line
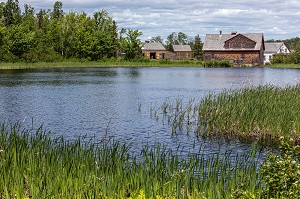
[53, 35]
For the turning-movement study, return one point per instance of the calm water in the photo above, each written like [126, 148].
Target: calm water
[95, 101]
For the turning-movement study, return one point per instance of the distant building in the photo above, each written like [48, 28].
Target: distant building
[239, 49]
[182, 51]
[274, 48]
[155, 50]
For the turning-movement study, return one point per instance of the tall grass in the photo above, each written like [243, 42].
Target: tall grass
[261, 113]
[36, 165]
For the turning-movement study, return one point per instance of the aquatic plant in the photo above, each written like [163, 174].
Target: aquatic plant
[37, 164]
[262, 113]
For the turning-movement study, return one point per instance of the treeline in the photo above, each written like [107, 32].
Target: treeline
[53, 35]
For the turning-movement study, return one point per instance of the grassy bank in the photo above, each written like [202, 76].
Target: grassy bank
[283, 66]
[124, 63]
[263, 113]
[32, 165]
[72, 64]
[115, 63]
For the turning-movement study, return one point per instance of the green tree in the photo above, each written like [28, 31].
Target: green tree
[28, 17]
[21, 39]
[2, 6]
[57, 10]
[157, 39]
[176, 39]
[295, 55]
[197, 48]
[12, 13]
[132, 44]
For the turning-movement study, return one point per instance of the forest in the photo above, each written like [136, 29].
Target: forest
[53, 35]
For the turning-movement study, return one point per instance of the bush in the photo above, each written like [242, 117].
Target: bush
[7, 56]
[281, 173]
[165, 61]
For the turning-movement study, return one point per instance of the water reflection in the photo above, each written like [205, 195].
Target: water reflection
[97, 101]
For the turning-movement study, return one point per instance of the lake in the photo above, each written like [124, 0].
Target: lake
[116, 102]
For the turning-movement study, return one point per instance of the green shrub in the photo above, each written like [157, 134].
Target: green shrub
[165, 61]
[281, 173]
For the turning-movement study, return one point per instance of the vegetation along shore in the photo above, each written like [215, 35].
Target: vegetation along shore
[38, 165]
[54, 38]
[137, 63]
[263, 113]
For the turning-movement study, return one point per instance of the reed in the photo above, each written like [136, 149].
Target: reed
[40, 165]
[262, 113]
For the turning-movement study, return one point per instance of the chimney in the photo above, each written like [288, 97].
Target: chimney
[233, 33]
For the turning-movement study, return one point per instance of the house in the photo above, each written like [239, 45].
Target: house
[155, 50]
[239, 49]
[274, 48]
[182, 51]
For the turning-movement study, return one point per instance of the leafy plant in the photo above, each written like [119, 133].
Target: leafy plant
[281, 172]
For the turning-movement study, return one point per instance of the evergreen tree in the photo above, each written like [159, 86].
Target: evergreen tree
[197, 48]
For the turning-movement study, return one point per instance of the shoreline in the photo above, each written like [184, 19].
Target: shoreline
[122, 64]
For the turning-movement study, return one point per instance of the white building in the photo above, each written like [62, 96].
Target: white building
[274, 48]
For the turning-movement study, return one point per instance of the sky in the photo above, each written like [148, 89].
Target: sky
[277, 19]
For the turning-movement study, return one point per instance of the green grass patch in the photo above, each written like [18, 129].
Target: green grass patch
[283, 66]
[262, 113]
[110, 63]
[100, 64]
[36, 165]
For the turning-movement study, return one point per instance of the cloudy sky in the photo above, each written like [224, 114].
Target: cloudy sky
[277, 19]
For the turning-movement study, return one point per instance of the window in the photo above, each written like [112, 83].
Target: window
[212, 56]
[243, 56]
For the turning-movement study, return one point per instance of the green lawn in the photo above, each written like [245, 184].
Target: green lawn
[284, 66]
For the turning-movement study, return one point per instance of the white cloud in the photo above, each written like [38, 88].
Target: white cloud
[276, 19]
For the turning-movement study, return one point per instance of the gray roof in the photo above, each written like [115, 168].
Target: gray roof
[153, 46]
[217, 41]
[273, 47]
[181, 48]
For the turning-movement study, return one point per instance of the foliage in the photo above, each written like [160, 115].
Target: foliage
[281, 172]
[29, 37]
[131, 43]
[37, 164]
[176, 39]
[156, 39]
[197, 48]
[217, 64]
[261, 113]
